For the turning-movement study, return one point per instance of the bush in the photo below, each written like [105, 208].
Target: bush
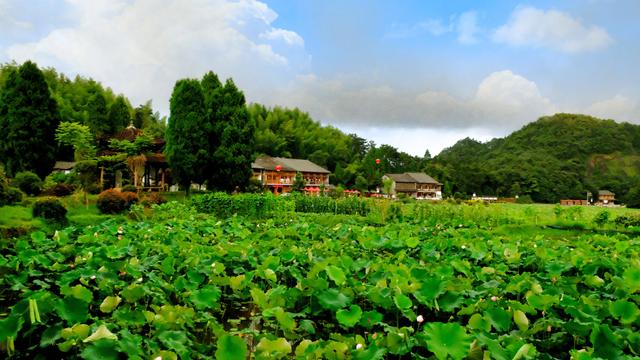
[50, 209]
[129, 188]
[28, 182]
[59, 190]
[10, 196]
[524, 199]
[113, 201]
[94, 189]
[153, 199]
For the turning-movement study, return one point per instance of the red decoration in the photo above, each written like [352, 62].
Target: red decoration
[278, 167]
[377, 161]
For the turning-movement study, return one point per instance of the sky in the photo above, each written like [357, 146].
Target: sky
[417, 75]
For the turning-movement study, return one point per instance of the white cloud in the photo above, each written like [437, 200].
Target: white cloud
[289, 37]
[141, 47]
[503, 100]
[467, 27]
[553, 29]
[435, 27]
[8, 21]
[619, 108]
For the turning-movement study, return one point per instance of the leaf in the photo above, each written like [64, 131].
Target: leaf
[627, 312]
[336, 274]
[176, 341]
[521, 320]
[447, 340]
[499, 318]
[479, 322]
[430, 289]
[81, 293]
[206, 298]
[605, 344]
[110, 303]
[273, 349]
[132, 293]
[231, 348]
[370, 318]
[403, 302]
[10, 326]
[631, 278]
[72, 310]
[285, 320]
[101, 333]
[333, 299]
[101, 350]
[348, 318]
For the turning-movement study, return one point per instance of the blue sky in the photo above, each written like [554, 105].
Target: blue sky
[415, 74]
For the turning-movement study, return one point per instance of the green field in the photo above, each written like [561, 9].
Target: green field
[413, 280]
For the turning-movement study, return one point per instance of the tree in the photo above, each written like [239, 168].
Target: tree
[361, 184]
[119, 115]
[186, 139]
[28, 119]
[229, 125]
[298, 183]
[97, 120]
[79, 137]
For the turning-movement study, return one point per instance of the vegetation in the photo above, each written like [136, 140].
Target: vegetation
[28, 119]
[556, 157]
[50, 209]
[446, 281]
[114, 201]
[28, 182]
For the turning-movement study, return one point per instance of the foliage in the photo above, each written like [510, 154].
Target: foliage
[119, 114]
[129, 188]
[189, 285]
[250, 205]
[50, 209]
[556, 157]
[186, 139]
[28, 119]
[28, 182]
[153, 199]
[79, 137]
[633, 198]
[298, 183]
[141, 145]
[112, 201]
[86, 172]
[59, 189]
[10, 196]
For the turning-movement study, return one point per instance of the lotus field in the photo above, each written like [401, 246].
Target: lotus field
[438, 282]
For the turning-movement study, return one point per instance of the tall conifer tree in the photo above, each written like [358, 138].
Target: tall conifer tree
[28, 120]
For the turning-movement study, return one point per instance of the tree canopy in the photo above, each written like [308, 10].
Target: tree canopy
[28, 118]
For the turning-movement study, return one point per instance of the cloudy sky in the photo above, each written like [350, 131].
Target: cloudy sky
[414, 74]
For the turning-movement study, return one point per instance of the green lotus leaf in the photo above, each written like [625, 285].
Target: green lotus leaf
[499, 318]
[110, 303]
[333, 299]
[101, 333]
[521, 320]
[626, 311]
[447, 340]
[605, 344]
[336, 274]
[403, 302]
[231, 348]
[370, 318]
[349, 318]
[101, 350]
[273, 349]
[206, 298]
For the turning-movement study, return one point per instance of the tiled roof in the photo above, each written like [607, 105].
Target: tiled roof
[287, 164]
[413, 177]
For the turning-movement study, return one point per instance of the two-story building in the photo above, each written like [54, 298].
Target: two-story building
[416, 185]
[278, 174]
[606, 197]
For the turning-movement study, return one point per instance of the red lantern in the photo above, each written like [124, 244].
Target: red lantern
[377, 161]
[278, 167]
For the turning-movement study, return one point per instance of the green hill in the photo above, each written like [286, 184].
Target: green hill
[555, 157]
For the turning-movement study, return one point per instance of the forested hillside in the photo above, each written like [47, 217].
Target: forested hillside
[560, 156]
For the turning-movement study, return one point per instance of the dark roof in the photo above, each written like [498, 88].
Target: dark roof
[413, 177]
[129, 133]
[605, 192]
[64, 165]
[302, 165]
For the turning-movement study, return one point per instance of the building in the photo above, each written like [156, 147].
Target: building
[606, 197]
[65, 167]
[574, 202]
[416, 185]
[278, 174]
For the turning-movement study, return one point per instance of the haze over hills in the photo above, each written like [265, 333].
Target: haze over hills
[559, 156]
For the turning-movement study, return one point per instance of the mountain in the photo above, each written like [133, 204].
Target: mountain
[556, 157]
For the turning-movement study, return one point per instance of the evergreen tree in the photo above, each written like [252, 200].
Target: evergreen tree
[119, 115]
[231, 165]
[28, 119]
[186, 138]
[143, 115]
[98, 117]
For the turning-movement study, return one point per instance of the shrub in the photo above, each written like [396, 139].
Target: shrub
[28, 182]
[113, 201]
[59, 190]
[94, 189]
[153, 199]
[524, 199]
[602, 218]
[50, 209]
[10, 196]
[129, 188]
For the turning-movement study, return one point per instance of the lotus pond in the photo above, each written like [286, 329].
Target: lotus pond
[178, 284]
